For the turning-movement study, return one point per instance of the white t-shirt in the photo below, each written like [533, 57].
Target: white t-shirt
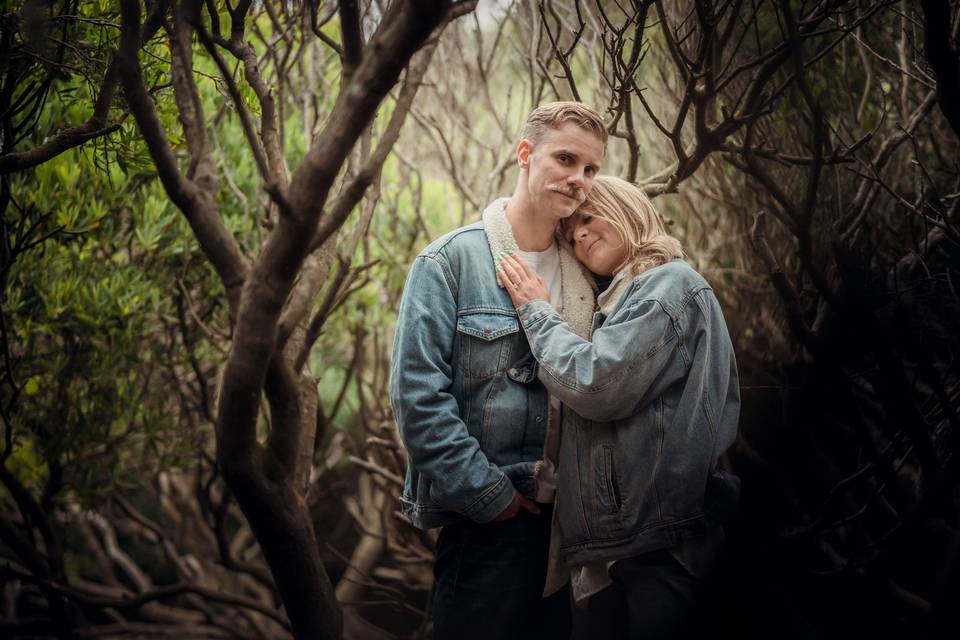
[547, 265]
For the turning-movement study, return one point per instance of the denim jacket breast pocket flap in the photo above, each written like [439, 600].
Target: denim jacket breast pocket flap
[486, 342]
[487, 326]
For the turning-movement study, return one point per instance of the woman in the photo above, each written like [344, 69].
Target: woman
[657, 400]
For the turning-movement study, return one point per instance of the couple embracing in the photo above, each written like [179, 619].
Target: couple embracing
[565, 386]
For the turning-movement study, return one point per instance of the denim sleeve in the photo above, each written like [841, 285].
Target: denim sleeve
[462, 479]
[630, 360]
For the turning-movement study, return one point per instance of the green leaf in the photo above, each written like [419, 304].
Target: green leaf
[32, 386]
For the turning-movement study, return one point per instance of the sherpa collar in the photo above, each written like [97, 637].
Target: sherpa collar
[614, 291]
[576, 297]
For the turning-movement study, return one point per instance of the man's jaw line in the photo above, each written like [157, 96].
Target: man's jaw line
[533, 227]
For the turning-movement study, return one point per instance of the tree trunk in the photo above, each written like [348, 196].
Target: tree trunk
[280, 520]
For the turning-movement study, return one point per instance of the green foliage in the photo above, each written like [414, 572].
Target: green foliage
[86, 311]
[105, 315]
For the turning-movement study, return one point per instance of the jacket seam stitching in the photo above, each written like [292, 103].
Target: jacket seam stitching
[614, 378]
[660, 438]
[445, 270]
[660, 524]
[476, 505]
[443, 242]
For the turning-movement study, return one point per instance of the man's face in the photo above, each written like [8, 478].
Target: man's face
[560, 169]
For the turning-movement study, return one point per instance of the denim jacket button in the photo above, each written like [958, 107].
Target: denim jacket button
[539, 418]
[512, 373]
[486, 330]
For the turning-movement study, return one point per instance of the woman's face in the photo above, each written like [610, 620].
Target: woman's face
[596, 243]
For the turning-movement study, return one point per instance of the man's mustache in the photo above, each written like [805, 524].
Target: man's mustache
[570, 192]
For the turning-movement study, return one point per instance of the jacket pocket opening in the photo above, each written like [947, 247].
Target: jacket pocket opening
[610, 477]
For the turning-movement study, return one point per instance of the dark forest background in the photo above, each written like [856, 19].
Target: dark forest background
[207, 210]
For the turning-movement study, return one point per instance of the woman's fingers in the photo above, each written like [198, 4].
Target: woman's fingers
[513, 270]
[507, 283]
[519, 269]
[511, 288]
[521, 282]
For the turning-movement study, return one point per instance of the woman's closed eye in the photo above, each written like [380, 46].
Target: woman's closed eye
[580, 231]
[571, 228]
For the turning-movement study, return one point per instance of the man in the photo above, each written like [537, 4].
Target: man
[471, 411]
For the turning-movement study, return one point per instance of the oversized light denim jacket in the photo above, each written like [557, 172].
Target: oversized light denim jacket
[463, 382]
[657, 399]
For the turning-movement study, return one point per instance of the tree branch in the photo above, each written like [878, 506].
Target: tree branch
[198, 208]
[96, 126]
[352, 38]
[150, 596]
[351, 194]
[788, 294]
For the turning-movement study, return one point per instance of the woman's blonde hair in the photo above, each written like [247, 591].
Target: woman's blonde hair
[630, 211]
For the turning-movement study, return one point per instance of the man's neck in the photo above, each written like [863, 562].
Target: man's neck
[532, 232]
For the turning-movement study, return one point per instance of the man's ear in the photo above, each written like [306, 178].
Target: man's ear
[524, 149]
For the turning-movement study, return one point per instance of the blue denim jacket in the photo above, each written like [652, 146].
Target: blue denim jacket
[463, 383]
[657, 399]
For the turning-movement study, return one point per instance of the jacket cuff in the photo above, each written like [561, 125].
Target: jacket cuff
[533, 312]
[492, 503]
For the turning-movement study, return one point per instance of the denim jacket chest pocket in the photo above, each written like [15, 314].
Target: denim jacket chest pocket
[486, 340]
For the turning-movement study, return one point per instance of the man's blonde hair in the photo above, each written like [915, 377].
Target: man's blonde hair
[630, 211]
[555, 114]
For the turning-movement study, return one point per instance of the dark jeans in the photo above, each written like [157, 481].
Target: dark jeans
[489, 582]
[652, 597]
